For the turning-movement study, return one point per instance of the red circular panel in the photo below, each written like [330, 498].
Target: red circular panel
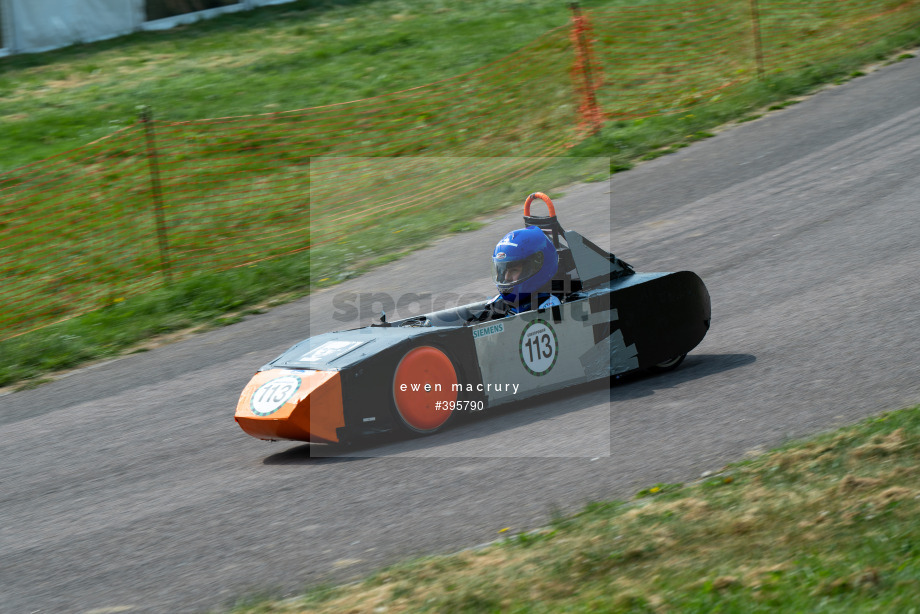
[422, 409]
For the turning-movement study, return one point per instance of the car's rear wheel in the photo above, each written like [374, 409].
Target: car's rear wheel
[668, 365]
[425, 389]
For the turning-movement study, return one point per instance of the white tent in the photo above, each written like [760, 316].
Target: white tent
[40, 25]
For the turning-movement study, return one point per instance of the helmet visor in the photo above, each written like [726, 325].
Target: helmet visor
[507, 274]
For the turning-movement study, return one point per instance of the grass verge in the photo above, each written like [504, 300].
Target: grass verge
[824, 525]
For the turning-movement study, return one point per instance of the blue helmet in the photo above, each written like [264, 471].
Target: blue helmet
[523, 262]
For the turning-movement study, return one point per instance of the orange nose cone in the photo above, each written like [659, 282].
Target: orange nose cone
[298, 405]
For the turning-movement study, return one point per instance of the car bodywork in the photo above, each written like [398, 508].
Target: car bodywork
[411, 374]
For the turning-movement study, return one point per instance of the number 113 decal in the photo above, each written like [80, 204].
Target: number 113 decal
[539, 347]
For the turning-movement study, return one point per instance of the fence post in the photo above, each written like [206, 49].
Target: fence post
[590, 113]
[165, 266]
[758, 45]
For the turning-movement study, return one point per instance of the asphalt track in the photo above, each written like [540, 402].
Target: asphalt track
[127, 487]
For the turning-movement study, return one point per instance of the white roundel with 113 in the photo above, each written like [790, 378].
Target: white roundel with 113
[539, 347]
[272, 395]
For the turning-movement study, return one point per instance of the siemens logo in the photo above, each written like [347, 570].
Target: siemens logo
[488, 330]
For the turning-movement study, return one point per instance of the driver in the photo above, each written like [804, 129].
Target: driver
[523, 263]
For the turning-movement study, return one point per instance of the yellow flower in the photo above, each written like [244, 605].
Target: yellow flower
[654, 489]
[505, 529]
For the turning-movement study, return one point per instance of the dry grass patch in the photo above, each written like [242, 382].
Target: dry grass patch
[798, 529]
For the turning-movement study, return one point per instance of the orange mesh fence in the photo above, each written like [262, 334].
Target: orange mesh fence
[75, 229]
[88, 228]
[797, 34]
[661, 59]
[665, 58]
[95, 225]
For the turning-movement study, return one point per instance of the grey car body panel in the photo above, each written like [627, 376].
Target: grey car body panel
[343, 349]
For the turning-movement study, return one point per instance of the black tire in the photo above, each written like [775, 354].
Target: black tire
[668, 365]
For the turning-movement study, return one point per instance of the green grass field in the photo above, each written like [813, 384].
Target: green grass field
[825, 525]
[235, 191]
[291, 56]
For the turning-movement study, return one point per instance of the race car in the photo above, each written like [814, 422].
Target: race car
[414, 375]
